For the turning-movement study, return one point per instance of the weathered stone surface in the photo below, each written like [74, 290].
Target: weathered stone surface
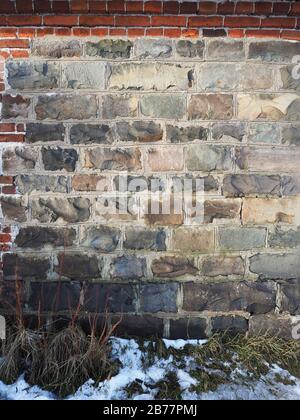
[13, 208]
[246, 185]
[133, 183]
[271, 160]
[223, 266]
[113, 159]
[291, 185]
[91, 133]
[159, 297]
[291, 135]
[159, 213]
[153, 48]
[57, 159]
[287, 78]
[109, 48]
[85, 75]
[193, 239]
[53, 297]
[100, 298]
[38, 132]
[25, 267]
[216, 77]
[55, 48]
[114, 106]
[190, 49]
[140, 326]
[56, 209]
[185, 134]
[194, 184]
[151, 76]
[128, 267]
[91, 183]
[264, 133]
[140, 131]
[252, 297]
[15, 106]
[274, 266]
[284, 238]
[78, 266]
[32, 75]
[269, 106]
[274, 51]
[145, 239]
[230, 324]
[170, 106]
[225, 50]
[209, 158]
[173, 267]
[19, 159]
[166, 159]
[228, 131]
[261, 211]
[222, 210]
[271, 325]
[291, 297]
[101, 238]
[257, 77]
[188, 328]
[242, 239]
[66, 107]
[37, 237]
[116, 209]
[213, 106]
[27, 184]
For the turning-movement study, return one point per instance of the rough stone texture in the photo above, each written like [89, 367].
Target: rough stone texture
[90, 183]
[190, 49]
[207, 158]
[58, 159]
[25, 267]
[210, 107]
[85, 75]
[101, 238]
[13, 208]
[56, 209]
[189, 328]
[284, 238]
[128, 267]
[56, 48]
[170, 106]
[223, 266]
[139, 239]
[55, 296]
[172, 267]
[113, 159]
[91, 133]
[140, 326]
[166, 159]
[114, 106]
[215, 210]
[159, 297]
[275, 266]
[15, 106]
[153, 48]
[273, 51]
[109, 48]
[190, 240]
[37, 237]
[248, 185]
[66, 107]
[291, 185]
[264, 133]
[262, 211]
[19, 159]
[242, 238]
[149, 76]
[289, 82]
[78, 266]
[228, 132]
[185, 134]
[38, 132]
[225, 50]
[229, 324]
[32, 75]
[291, 297]
[272, 325]
[100, 298]
[139, 131]
[27, 184]
[290, 135]
[254, 298]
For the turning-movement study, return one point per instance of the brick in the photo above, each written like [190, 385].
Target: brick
[163, 106]
[57, 159]
[186, 239]
[213, 33]
[84, 75]
[36, 132]
[42, 6]
[100, 238]
[260, 211]
[113, 159]
[242, 22]
[15, 106]
[223, 266]
[209, 158]
[54, 48]
[27, 184]
[100, 298]
[124, 105]
[5, 238]
[276, 22]
[173, 267]
[24, 6]
[128, 267]
[78, 267]
[9, 189]
[156, 297]
[26, 75]
[145, 239]
[65, 107]
[25, 267]
[166, 159]
[241, 238]
[188, 328]
[263, 8]
[60, 20]
[204, 21]
[116, 6]
[24, 20]
[251, 185]
[7, 6]
[6, 180]
[11, 138]
[89, 20]
[176, 21]
[188, 8]
[57, 209]
[37, 237]
[14, 43]
[135, 21]
[274, 266]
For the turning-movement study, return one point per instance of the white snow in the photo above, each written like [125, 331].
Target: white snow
[133, 369]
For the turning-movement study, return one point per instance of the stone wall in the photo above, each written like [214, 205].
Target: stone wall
[80, 112]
